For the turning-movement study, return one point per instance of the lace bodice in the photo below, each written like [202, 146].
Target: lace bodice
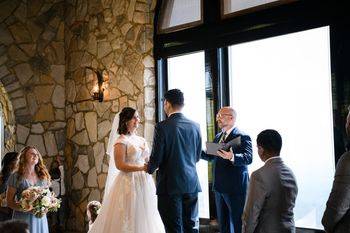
[136, 148]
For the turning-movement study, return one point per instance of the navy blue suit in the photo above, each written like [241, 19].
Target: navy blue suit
[177, 147]
[230, 181]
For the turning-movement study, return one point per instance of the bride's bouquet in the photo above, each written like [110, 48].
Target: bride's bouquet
[39, 201]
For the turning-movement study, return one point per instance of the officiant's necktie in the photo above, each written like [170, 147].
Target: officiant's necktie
[222, 137]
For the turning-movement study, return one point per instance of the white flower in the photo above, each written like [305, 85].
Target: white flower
[46, 201]
[39, 201]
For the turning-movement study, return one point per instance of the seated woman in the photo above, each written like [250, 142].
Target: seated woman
[8, 165]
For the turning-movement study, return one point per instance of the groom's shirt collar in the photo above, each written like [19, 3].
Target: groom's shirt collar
[174, 113]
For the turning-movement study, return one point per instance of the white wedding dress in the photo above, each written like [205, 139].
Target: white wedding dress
[130, 204]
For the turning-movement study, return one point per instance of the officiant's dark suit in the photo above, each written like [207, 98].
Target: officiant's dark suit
[177, 147]
[230, 173]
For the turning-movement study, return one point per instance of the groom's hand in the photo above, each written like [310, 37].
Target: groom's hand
[145, 167]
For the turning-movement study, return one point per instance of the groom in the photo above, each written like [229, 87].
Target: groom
[177, 147]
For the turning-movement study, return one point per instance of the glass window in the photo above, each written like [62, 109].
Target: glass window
[187, 73]
[234, 6]
[284, 83]
[179, 14]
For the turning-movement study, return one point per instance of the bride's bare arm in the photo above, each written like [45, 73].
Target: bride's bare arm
[119, 158]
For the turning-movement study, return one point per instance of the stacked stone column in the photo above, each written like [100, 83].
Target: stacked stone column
[115, 36]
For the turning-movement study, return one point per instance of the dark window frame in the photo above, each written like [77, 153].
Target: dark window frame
[252, 9]
[217, 33]
[180, 26]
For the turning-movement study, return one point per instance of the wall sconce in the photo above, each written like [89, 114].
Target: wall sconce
[97, 92]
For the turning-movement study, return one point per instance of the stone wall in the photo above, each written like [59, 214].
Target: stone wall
[45, 91]
[116, 36]
[8, 118]
[32, 68]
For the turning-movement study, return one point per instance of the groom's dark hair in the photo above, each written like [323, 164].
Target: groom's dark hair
[126, 115]
[175, 97]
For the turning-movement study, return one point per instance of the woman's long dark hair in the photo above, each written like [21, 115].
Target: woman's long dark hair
[8, 164]
[126, 115]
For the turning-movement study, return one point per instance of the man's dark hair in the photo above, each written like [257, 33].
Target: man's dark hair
[14, 226]
[270, 140]
[175, 97]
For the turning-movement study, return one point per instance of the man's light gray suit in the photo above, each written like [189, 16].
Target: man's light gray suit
[271, 199]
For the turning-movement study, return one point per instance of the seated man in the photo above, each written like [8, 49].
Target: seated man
[336, 218]
[272, 190]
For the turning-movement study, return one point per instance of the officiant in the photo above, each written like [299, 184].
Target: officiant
[230, 173]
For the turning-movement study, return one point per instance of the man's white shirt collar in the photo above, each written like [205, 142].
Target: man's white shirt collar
[274, 157]
[228, 131]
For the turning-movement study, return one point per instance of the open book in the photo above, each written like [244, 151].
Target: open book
[212, 147]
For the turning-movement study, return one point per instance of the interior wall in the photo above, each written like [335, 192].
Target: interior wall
[115, 36]
[7, 114]
[44, 47]
[32, 67]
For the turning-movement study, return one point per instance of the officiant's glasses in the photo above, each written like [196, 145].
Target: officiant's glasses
[221, 115]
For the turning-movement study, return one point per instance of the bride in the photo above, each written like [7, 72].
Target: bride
[130, 203]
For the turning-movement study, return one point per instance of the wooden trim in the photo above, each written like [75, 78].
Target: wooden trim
[180, 26]
[308, 230]
[161, 87]
[297, 16]
[224, 76]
